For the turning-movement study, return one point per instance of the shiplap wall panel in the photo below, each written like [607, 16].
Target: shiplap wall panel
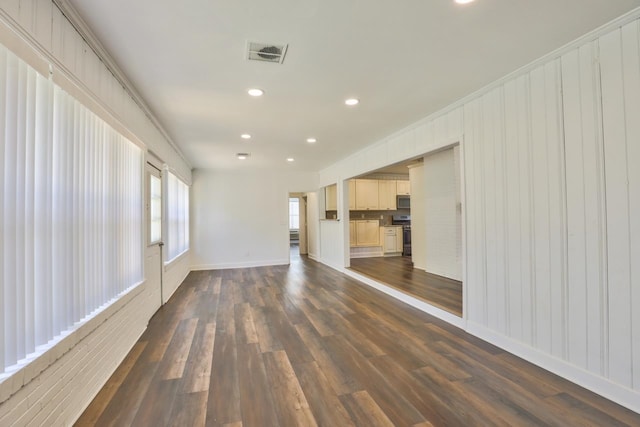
[57, 34]
[595, 316]
[631, 67]
[26, 14]
[491, 138]
[513, 260]
[540, 185]
[475, 286]
[526, 208]
[557, 207]
[502, 295]
[576, 204]
[586, 325]
[617, 202]
[11, 7]
[43, 23]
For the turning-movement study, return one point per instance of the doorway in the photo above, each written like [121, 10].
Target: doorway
[432, 271]
[298, 241]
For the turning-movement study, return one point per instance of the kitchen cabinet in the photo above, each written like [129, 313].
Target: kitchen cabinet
[387, 195]
[331, 197]
[352, 194]
[403, 188]
[391, 237]
[367, 194]
[367, 233]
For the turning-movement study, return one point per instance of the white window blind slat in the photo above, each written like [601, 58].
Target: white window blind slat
[9, 208]
[3, 180]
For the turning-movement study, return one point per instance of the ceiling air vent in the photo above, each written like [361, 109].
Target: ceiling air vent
[266, 52]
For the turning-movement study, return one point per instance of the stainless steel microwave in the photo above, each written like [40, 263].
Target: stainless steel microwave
[403, 202]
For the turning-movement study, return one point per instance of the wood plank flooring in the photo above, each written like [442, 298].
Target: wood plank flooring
[398, 272]
[303, 345]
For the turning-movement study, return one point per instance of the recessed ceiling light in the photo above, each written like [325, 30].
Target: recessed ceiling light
[245, 136]
[255, 92]
[463, 1]
[290, 159]
[311, 140]
[352, 101]
[242, 156]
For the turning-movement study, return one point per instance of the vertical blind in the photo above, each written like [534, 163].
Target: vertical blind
[177, 206]
[71, 213]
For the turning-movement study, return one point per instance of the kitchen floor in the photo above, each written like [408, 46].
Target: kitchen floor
[398, 272]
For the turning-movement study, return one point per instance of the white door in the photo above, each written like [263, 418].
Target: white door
[153, 251]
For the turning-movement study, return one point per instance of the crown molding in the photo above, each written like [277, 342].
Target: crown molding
[74, 18]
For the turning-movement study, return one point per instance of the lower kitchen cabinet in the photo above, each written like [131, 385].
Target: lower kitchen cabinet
[391, 237]
[367, 233]
[364, 233]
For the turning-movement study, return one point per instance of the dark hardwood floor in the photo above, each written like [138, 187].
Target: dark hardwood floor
[303, 345]
[398, 272]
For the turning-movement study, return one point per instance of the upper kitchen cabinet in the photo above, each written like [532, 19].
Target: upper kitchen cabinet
[367, 194]
[331, 197]
[387, 195]
[403, 188]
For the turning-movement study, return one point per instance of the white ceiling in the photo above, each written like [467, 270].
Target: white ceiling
[402, 59]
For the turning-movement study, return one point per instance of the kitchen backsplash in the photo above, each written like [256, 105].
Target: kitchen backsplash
[383, 216]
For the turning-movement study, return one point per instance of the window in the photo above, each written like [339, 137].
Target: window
[177, 201]
[294, 213]
[155, 209]
[70, 216]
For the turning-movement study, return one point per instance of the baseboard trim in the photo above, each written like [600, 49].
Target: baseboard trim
[621, 395]
[247, 264]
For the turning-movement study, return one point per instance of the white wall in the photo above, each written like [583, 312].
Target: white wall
[552, 215]
[442, 252]
[418, 217]
[241, 219]
[54, 390]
